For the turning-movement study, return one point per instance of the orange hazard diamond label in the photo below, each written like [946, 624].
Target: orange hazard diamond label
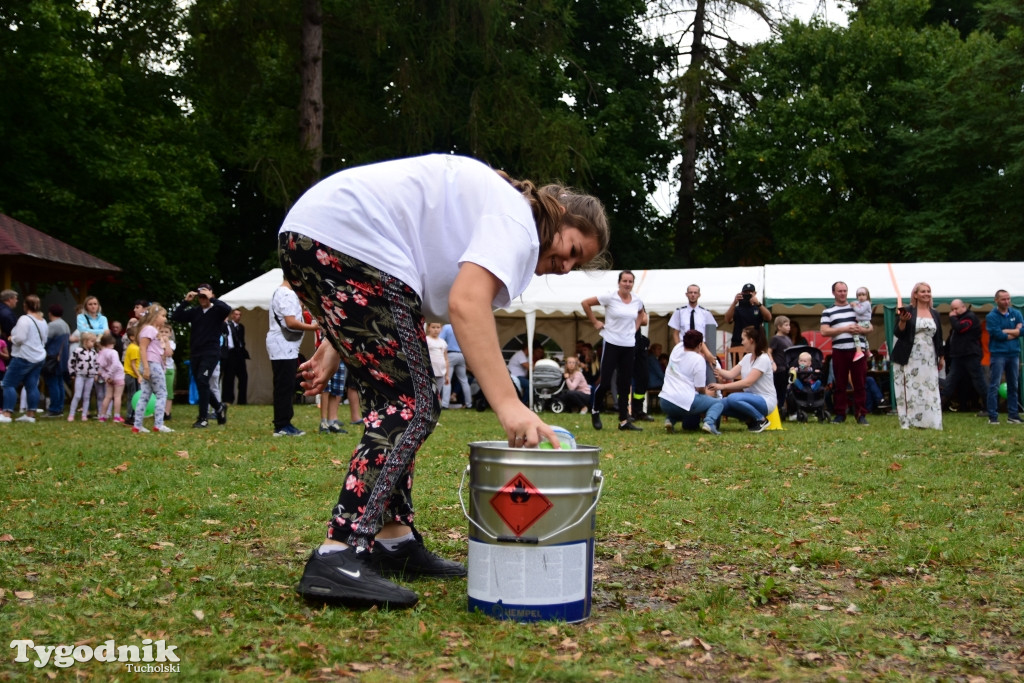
[520, 504]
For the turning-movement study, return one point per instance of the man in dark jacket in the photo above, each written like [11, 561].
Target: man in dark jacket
[964, 353]
[207, 321]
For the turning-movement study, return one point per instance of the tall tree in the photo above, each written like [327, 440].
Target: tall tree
[97, 148]
[547, 89]
[889, 139]
[705, 76]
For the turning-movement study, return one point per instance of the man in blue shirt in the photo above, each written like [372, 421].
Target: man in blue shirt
[456, 368]
[1004, 324]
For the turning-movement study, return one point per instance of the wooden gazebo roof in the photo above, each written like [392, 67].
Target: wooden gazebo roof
[29, 256]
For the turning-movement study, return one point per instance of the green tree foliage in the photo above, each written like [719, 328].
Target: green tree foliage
[887, 140]
[96, 148]
[545, 89]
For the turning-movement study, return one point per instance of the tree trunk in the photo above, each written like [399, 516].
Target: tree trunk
[311, 104]
[693, 121]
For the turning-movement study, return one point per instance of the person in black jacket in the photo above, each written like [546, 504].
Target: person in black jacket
[207, 321]
[964, 353]
[233, 356]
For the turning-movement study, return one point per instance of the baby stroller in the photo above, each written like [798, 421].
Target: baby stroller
[802, 402]
[548, 386]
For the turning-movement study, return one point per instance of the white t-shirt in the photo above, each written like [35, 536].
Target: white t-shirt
[515, 364]
[28, 339]
[437, 348]
[765, 384]
[419, 219]
[686, 371]
[284, 302]
[620, 318]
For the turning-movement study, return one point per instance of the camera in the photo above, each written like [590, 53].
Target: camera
[746, 296]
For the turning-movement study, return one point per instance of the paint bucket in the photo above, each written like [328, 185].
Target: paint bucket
[531, 530]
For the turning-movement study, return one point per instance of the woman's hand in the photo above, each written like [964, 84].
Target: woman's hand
[524, 428]
[318, 370]
[145, 372]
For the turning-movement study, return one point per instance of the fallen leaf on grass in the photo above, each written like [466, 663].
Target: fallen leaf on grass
[824, 608]
[695, 643]
[199, 614]
[655, 661]
[123, 467]
[895, 467]
[811, 657]
[6, 538]
[24, 595]
[852, 609]
[359, 666]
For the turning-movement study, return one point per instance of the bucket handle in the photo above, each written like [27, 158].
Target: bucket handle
[465, 513]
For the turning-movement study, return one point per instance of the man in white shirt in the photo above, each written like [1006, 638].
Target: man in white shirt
[283, 340]
[690, 317]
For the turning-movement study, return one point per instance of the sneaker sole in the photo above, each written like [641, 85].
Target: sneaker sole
[321, 590]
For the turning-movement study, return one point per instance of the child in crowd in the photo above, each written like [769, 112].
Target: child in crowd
[805, 376]
[167, 339]
[131, 367]
[152, 369]
[578, 389]
[112, 372]
[862, 311]
[5, 358]
[438, 355]
[83, 368]
[330, 399]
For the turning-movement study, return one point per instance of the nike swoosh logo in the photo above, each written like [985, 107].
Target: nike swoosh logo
[353, 574]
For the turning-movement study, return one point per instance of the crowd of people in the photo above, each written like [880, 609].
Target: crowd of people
[103, 370]
[765, 374]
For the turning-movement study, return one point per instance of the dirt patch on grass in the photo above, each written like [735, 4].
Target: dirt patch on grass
[641, 577]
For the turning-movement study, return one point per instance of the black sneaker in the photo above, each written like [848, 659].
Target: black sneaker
[222, 414]
[200, 424]
[1013, 421]
[982, 413]
[595, 419]
[758, 427]
[862, 420]
[839, 419]
[411, 559]
[628, 426]
[345, 577]
[644, 417]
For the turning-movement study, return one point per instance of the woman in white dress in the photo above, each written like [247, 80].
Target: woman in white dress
[917, 360]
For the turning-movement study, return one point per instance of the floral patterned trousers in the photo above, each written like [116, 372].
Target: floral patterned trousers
[376, 324]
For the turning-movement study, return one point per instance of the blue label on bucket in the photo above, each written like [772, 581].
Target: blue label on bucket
[524, 583]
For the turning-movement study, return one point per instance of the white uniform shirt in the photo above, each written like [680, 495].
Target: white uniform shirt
[620, 319]
[419, 219]
[284, 302]
[680, 319]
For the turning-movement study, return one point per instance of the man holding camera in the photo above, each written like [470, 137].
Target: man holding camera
[746, 310]
[965, 353]
[207, 321]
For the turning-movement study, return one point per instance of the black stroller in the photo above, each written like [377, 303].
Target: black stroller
[548, 386]
[806, 401]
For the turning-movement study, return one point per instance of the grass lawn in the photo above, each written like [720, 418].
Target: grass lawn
[821, 552]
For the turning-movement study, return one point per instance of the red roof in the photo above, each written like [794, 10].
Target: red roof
[20, 240]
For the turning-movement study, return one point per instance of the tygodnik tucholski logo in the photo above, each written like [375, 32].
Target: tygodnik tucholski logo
[151, 657]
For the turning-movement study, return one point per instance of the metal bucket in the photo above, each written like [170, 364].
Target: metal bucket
[531, 530]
